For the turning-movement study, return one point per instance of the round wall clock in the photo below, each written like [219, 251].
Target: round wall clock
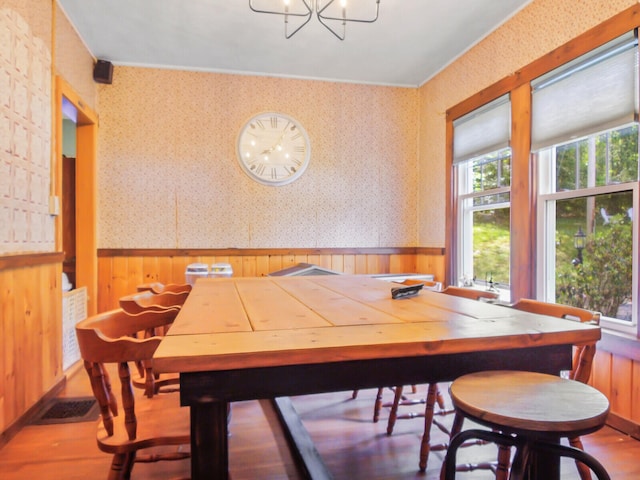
[273, 148]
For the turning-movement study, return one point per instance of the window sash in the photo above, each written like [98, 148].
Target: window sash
[464, 268]
[546, 245]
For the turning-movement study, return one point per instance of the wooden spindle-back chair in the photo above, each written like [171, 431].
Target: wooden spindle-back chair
[107, 343]
[434, 395]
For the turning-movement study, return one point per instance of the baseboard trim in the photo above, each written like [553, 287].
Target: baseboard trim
[32, 413]
[624, 425]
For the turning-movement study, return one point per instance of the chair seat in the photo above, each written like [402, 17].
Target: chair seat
[161, 421]
[533, 404]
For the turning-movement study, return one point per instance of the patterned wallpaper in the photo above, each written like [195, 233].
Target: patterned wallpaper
[25, 132]
[537, 29]
[169, 178]
[73, 61]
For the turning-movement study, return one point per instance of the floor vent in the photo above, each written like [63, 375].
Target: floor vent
[68, 410]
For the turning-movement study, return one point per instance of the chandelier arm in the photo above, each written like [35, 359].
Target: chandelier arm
[306, 4]
[328, 27]
[316, 5]
[289, 35]
[321, 17]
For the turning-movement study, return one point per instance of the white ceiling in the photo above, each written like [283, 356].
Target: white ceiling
[411, 41]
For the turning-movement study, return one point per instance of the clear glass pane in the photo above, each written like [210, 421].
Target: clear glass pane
[505, 162]
[597, 274]
[623, 155]
[491, 246]
[614, 160]
[478, 176]
[602, 159]
[572, 160]
[491, 171]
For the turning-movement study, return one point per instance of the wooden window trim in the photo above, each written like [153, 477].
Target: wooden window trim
[523, 182]
[523, 186]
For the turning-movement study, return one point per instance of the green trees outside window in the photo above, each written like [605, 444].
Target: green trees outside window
[595, 170]
[603, 280]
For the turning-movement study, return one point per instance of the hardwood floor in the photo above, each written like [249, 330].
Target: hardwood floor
[352, 446]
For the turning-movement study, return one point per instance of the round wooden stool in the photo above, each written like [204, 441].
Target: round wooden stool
[531, 411]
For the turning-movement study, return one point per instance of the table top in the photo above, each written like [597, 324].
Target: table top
[247, 322]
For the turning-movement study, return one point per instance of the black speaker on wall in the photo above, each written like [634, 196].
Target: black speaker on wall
[103, 72]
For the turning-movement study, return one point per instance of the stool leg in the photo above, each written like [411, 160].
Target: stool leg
[458, 420]
[578, 455]
[448, 470]
[520, 463]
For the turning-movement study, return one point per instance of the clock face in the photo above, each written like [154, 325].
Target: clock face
[273, 149]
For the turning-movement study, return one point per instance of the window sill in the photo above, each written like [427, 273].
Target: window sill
[619, 343]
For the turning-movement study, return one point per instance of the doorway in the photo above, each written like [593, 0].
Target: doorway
[68, 197]
[75, 186]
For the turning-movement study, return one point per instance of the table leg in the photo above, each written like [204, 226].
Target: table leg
[209, 440]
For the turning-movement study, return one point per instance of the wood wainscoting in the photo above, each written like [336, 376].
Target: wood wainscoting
[31, 315]
[120, 271]
[30, 335]
[616, 368]
[616, 373]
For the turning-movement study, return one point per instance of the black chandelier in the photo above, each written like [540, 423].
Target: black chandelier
[330, 13]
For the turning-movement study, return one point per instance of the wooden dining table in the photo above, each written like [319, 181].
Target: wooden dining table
[267, 337]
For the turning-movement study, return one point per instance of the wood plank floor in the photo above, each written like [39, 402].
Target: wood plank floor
[352, 446]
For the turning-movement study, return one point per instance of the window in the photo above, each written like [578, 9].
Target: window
[482, 163]
[586, 137]
[484, 240]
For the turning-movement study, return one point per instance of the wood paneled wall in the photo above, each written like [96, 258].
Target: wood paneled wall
[616, 374]
[30, 332]
[120, 271]
[31, 313]
[618, 377]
